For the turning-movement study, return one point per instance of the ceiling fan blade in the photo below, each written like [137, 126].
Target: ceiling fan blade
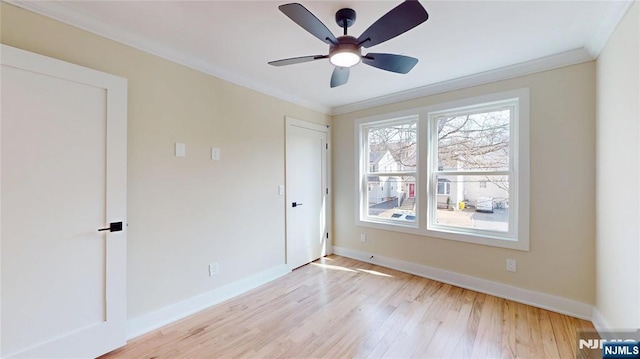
[400, 19]
[297, 60]
[390, 62]
[303, 17]
[340, 76]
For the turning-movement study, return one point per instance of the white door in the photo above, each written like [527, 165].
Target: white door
[306, 200]
[63, 170]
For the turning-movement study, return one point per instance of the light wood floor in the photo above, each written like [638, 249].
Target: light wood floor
[341, 308]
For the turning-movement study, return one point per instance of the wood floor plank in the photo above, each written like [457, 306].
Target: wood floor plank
[342, 308]
[488, 343]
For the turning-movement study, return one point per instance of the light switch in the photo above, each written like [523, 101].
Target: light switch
[215, 153]
[181, 149]
[281, 190]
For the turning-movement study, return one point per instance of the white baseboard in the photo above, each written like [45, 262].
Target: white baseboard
[536, 299]
[154, 320]
[599, 323]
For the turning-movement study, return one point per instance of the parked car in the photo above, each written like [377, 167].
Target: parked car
[484, 204]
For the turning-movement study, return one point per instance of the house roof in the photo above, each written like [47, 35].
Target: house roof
[376, 156]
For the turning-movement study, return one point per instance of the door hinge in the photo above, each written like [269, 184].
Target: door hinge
[327, 191]
[327, 235]
[326, 146]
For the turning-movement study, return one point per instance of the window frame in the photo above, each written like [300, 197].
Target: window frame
[364, 170]
[426, 189]
[456, 232]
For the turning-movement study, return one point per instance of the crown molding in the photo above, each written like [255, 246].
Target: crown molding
[605, 29]
[525, 68]
[60, 12]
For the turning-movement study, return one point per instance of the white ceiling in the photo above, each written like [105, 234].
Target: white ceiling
[461, 40]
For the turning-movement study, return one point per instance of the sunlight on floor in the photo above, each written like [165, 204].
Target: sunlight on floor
[345, 269]
[329, 266]
[375, 273]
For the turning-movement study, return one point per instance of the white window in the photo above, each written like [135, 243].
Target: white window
[472, 183]
[391, 146]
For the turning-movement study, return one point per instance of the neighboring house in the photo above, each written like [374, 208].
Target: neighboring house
[383, 188]
[449, 188]
[488, 188]
[382, 161]
[392, 157]
[458, 189]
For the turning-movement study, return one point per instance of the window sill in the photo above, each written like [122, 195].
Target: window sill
[476, 238]
[411, 227]
[522, 244]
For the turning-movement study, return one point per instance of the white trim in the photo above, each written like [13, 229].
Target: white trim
[562, 59]
[290, 121]
[104, 336]
[518, 235]
[293, 122]
[362, 164]
[598, 40]
[60, 12]
[329, 214]
[169, 314]
[520, 295]
[520, 146]
[598, 322]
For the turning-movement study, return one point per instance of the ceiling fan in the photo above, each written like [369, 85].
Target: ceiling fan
[346, 51]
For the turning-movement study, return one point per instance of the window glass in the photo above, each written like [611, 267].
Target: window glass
[391, 155]
[474, 141]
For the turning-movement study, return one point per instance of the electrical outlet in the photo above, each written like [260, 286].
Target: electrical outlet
[215, 153]
[363, 237]
[213, 269]
[511, 265]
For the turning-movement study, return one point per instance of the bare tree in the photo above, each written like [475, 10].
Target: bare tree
[476, 142]
[399, 140]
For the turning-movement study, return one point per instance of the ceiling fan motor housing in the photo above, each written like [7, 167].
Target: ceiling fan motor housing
[346, 44]
[348, 15]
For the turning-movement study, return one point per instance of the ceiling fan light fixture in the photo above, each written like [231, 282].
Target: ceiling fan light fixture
[345, 58]
[346, 52]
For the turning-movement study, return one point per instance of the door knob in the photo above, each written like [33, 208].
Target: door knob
[296, 204]
[113, 227]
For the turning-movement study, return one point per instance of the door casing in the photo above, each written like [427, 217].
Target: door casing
[289, 123]
[109, 333]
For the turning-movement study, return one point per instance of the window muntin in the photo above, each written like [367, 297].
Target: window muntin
[390, 176]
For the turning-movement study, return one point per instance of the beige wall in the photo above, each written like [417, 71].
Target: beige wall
[561, 261]
[184, 213]
[618, 178]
